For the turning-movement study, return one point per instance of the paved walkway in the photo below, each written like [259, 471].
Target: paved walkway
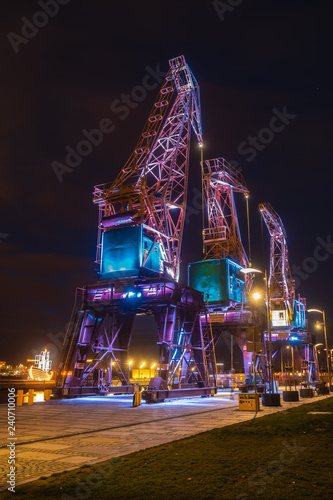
[61, 435]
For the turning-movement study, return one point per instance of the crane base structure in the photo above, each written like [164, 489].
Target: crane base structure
[95, 354]
[228, 310]
[301, 354]
[244, 325]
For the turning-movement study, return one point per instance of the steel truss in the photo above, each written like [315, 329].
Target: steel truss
[280, 282]
[151, 189]
[304, 355]
[94, 358]
[222, 235]
[242, 324]
[282, 298]
[222, 239]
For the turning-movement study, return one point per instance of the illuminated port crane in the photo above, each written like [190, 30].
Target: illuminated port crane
[288, 321]
[220, 275]
[280, 282]
[222, 237]
[150, 191]
[141, 218]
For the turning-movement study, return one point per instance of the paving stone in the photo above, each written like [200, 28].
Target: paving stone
[87, 431]
[76, 460]
[46, 446]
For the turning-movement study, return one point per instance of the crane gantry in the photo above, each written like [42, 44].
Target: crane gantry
[140, 229]
[288, 323]
[219, 274]
[280, 283]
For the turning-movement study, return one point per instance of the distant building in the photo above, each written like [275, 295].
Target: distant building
[19, 369]
[143, 373]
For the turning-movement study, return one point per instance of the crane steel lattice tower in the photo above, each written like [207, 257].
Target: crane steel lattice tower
[141, 219]
[151, 189]
[280, 282]
[220, 275]
[222, 236]
[287, 313]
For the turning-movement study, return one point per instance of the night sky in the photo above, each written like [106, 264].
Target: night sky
[253, 60]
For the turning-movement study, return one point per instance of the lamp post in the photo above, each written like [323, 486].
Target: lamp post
[270, 398]
[293, 364]
[270, 357]
[325, 334]
[256, 296]
[269, 331]
[316, 359]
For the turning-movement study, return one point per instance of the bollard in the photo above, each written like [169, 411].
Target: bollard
[137, 399]
[30, 396]
[19, 397]
[47, 394]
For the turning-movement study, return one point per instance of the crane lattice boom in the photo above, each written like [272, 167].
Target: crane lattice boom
[151, 189]
[222, 235]
[281, 284]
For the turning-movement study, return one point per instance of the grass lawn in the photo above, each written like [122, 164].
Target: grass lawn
[287, 455]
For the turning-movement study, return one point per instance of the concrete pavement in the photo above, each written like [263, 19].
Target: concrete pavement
[61, 435]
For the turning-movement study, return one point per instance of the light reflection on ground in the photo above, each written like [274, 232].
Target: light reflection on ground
[126, 400]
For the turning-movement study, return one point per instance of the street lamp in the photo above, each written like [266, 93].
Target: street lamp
[325, 334]
[256, 296]
[271, 399]
[248, 270]
[316, 358]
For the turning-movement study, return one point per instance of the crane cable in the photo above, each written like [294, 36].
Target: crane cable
[248, 228]
[262, 240]
[202, 199]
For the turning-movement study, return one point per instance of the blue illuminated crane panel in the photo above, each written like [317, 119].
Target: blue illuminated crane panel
[298, 319]
[124, 250]
[221, 279]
